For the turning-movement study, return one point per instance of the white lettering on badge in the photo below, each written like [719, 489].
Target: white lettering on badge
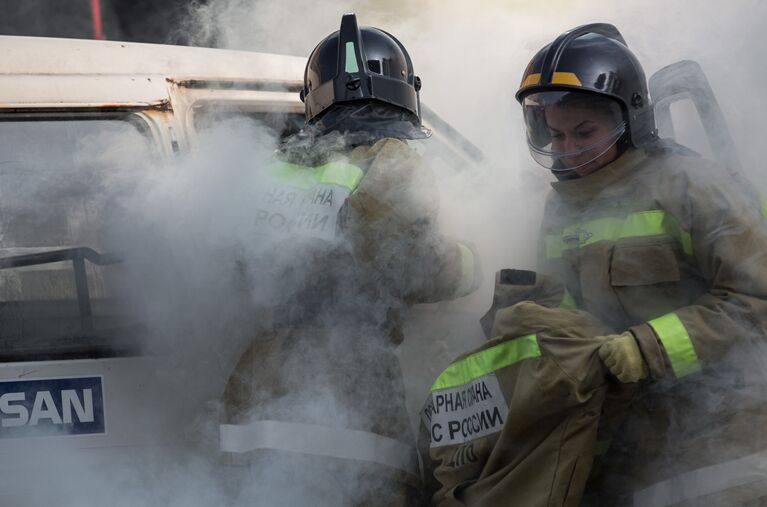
[466, 412]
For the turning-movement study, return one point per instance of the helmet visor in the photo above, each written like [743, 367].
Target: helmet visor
[568, 130]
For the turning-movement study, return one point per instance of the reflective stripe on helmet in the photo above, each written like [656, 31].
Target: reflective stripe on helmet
[559, 78]
[487, 361]
[679, 348]
[643, 223]
[466, 283]
[565, 78]
[333, 173]
[531, 79]
[351, 58]
[318, 440]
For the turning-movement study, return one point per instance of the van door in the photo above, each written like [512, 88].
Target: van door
[72, 377]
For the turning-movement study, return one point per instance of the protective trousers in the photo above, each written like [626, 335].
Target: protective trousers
[314, 418]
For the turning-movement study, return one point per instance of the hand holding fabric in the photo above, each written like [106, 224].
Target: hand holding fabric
[620, 354]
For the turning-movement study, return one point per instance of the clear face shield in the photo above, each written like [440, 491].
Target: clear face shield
[570, 131]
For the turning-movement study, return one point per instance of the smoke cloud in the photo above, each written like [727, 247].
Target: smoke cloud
[184, 229]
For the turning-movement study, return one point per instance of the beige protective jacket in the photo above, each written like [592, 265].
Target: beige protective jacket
[319, 392]
[666, 247]
[514, 422]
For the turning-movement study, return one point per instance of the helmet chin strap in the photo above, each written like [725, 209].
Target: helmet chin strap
[624, 143]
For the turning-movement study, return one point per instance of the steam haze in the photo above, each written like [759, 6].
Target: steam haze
[189, 224]
[471, 61]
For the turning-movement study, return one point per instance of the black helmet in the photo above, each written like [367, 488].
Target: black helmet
[595, 59]
[365, 77]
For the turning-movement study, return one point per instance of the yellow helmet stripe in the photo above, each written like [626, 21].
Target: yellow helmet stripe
[566, 78]
[559, 78]
[531, 79]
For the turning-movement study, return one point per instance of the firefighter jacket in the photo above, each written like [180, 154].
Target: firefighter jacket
[664, 246]
[353, 242]
[515, 421]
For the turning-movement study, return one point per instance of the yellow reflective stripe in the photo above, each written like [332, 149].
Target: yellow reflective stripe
[673, 335]
[294, 175]
[487, 361]
[344, 175]
[334, 173]
[566, 78]
[466, 283]
[554, 246]
[531, 79]
[642, 223]
[568, 301]
[559, 78]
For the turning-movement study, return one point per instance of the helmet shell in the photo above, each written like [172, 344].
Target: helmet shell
[595, 59]
[360, 64]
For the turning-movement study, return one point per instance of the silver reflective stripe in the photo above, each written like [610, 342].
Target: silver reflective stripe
[706, 481]
[319, 440]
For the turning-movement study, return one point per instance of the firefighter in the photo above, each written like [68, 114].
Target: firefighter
[315, 407]
[658, 244]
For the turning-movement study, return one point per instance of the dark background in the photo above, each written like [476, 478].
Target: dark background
[158, 21]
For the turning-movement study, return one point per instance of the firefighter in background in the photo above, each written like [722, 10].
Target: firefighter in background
[660, 246]
[315, 407]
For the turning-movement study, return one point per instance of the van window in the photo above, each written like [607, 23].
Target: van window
[279, 123]
[59, 179]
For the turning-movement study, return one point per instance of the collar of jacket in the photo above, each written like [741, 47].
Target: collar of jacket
[602, 181]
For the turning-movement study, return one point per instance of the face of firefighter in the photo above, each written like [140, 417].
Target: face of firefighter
[577, 131]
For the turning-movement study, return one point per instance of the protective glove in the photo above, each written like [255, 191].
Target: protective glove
[620, 353]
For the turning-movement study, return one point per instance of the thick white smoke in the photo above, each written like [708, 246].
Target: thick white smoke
[189, 224]
[471, 58]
